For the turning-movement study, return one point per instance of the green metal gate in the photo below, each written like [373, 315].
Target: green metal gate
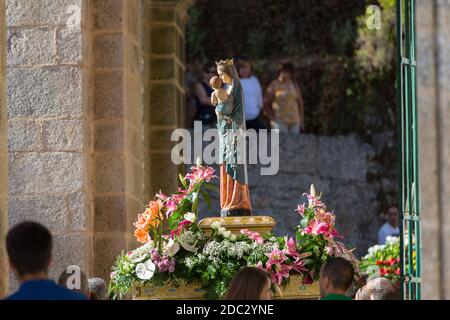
[409, 197]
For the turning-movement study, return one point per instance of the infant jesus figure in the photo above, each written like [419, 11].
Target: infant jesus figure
[219, 94]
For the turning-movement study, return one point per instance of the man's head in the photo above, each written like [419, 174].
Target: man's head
[336, 276]
[99, 288]
[392, 216]
[29, 247]
[378, 289]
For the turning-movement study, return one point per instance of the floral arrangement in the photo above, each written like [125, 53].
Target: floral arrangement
[383, 260]
[176, 250]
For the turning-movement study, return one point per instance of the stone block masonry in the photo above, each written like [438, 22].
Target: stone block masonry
[4, 276]
[47, 113]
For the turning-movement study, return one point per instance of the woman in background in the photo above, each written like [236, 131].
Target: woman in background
[252, 95]
[250, 283]
[285, 100]
[205, 109]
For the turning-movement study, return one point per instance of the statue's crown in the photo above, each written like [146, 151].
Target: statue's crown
[228, 62]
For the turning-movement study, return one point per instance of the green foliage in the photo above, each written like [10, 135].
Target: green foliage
[383, 260]
[195, 36]
[345, 70]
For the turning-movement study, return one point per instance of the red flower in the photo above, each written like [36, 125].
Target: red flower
[379, 262]
[397, 272]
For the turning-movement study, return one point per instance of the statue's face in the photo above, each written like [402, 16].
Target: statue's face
[225, 77]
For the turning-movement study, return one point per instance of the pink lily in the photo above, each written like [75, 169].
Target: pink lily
[171, 207]
[199, 173]
[301, 210]
[161, 195]
[181, 225]
[313, 201]
[291, 247]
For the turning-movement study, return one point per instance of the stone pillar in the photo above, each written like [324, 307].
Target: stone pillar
[433, 61]
[117, 128]
[165, 95]
[47, 118]
[4, 282]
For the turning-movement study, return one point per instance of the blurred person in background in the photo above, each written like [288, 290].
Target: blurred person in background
[253, 95]
[250, 283]
[390, 228]
[284, 98]
[205, 109]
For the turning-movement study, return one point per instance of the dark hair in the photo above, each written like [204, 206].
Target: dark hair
[29, 247]
[339, 271]
[247, 284]
[241, 62]
[286, 66]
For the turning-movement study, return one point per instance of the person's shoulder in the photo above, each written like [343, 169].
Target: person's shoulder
[12, 297]
[67, 294]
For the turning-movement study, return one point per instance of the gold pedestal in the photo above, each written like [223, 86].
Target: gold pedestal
[295, 290]
[261, 224]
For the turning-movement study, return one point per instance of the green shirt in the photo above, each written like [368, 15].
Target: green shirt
[335, 296]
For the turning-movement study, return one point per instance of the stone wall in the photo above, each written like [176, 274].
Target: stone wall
[164, 90]
[433, 75]
[117, 127]
[46, 122]
[80, 94]
[3, 156]
[339, 167]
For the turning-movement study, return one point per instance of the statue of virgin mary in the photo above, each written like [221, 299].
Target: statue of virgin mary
[234, 192]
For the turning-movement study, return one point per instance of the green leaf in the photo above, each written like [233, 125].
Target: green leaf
[211, 187]
[183, 181]
[207, 198]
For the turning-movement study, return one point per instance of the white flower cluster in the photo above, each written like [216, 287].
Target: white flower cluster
[141, 253]
[215, 251]
[216, 225]
[392, 240]
[189, 240]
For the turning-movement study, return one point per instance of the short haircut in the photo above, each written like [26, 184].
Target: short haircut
[29, 247]
[215, 82]
[83, 288]
[339, 271]
[99, 288]
[378, 289]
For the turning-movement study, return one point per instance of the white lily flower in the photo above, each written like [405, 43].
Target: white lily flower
[145, 271]
[190, 216]
[227, 234]
[189, 247]
[172, 248]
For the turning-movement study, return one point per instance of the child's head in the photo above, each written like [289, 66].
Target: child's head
[215, 83]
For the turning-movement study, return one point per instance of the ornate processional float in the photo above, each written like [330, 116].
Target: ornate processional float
[183, 258]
